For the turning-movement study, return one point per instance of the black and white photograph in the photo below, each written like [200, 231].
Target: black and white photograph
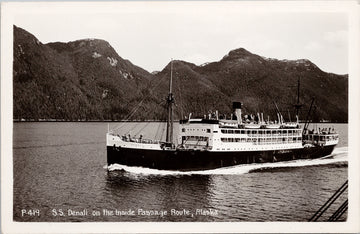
[178, 116]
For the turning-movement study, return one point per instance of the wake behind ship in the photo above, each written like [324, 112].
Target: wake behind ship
[210, 142]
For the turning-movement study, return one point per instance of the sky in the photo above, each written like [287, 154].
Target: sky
[150, 34]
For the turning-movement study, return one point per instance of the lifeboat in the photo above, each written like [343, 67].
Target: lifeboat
[290, 125]
[272, 126]
[252, 126]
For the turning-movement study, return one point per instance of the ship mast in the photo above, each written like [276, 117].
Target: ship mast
[298, 105]
[170, 102]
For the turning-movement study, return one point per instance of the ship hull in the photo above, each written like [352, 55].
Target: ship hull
[191, 160]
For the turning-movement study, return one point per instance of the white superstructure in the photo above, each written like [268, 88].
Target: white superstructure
[195, 134]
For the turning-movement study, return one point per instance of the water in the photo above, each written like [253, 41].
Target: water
[60, 169]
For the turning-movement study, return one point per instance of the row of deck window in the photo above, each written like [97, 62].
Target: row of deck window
[264, 140]
[196, 129]
[281, 132]
[194, 138]
[321, 138]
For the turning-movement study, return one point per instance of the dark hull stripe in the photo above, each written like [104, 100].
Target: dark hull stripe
[204, 160]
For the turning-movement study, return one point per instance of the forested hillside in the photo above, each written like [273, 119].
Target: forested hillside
[88, 80]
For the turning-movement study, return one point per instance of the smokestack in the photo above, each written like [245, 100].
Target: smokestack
[237, 110]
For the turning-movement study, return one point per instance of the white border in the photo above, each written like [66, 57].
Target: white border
[9, 10]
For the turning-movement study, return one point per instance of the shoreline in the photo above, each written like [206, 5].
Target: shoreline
[128, 121]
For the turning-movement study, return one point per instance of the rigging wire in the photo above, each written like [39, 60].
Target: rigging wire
[160, 104]
[339, 212]
[329, 202]
[162, 131]
[145, 113]
[135, 109]
[157, 134]
[145, 125]
[180, 99]
[130, 115]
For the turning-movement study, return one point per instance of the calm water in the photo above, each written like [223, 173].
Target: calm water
[60, 169]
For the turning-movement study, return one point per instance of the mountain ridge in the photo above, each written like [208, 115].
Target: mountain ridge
[87, 80]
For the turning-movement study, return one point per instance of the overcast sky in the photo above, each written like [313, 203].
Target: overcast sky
[150, 34]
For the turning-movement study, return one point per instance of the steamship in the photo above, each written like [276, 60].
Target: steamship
[211, 142]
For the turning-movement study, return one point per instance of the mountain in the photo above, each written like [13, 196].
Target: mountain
[259, 82]
[84, 79]
[88, 80]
